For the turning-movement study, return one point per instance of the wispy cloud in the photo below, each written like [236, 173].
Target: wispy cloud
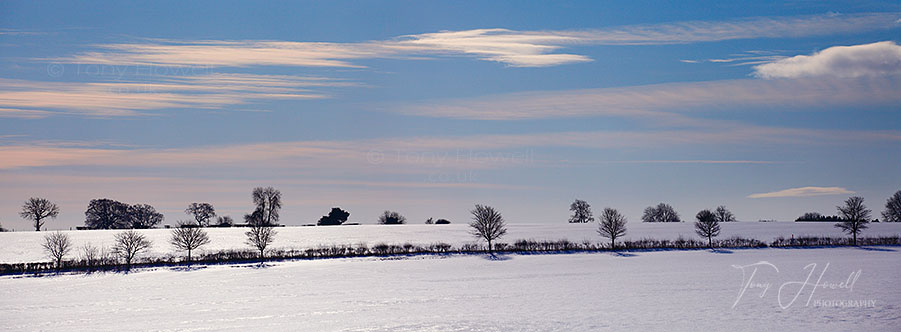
[742, 59]
[514, 48]
[803, 192]
[415, 154]
[24, 114]
[132, 97]
[511, 47]
[876, 59]
[748, 28]
[657, 102]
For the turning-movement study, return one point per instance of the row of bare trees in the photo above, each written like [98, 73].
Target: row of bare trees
[487, 224]
[127, 245]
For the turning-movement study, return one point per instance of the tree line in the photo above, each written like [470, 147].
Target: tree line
[487, 224]
[853, 217]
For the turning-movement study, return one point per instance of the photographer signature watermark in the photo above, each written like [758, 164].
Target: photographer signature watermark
[790, 291]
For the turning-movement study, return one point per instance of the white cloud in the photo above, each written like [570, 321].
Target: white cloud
[515, 48]
[876, 59]
[803, 192]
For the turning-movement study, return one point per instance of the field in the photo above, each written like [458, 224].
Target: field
[670, 290]
[848, 288]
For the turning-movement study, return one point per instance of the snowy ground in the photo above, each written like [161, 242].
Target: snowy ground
[19, 247]
[670, 290]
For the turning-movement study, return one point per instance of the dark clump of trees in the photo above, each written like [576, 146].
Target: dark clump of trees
[391, 218]
[892, 211]
[661, 213]
[855, 217]
[581, 212]
[225, 221]
[488, 224]
[268, 202]
[336, 216]
[723, 214]
[707, 226]
[144, 216]
[816, 216]
[431, 221]
[38, 210]
[203, 213]
[105, 213]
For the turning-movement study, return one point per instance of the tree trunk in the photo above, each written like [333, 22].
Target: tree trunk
[189, 255]
[489, 246]
[37, 224]
[710, 241]
[854, 237]
[612, 243]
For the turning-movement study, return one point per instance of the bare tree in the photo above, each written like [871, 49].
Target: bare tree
[581, 212]
[392, 218]
[855, 217]
[202, 212]
[144, 216]
[90, 255]
[723, 214]
[892, 211]
[57, 245]
[707, 226]
[487, 223]
[612, 226]
[188, 239]
[129, 244]
[259, 237]
[37, 210]
[661, 213]
[268, 201]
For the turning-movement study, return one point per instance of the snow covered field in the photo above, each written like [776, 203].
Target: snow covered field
[20, 247]
[670, 290]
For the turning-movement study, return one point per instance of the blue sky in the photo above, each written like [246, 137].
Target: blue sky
[772, 108]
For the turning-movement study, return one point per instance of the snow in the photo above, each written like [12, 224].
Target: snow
[667, 290]
[20, 247]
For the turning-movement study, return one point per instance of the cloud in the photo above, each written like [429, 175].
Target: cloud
[876, 59]
[742, 59]
[511, 47]
[24, 114]
[660, 102]
[803, 192]
[134, 96]
[515, 48]
[415, 154]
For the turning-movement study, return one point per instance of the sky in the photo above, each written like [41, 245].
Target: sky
[772, 109]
